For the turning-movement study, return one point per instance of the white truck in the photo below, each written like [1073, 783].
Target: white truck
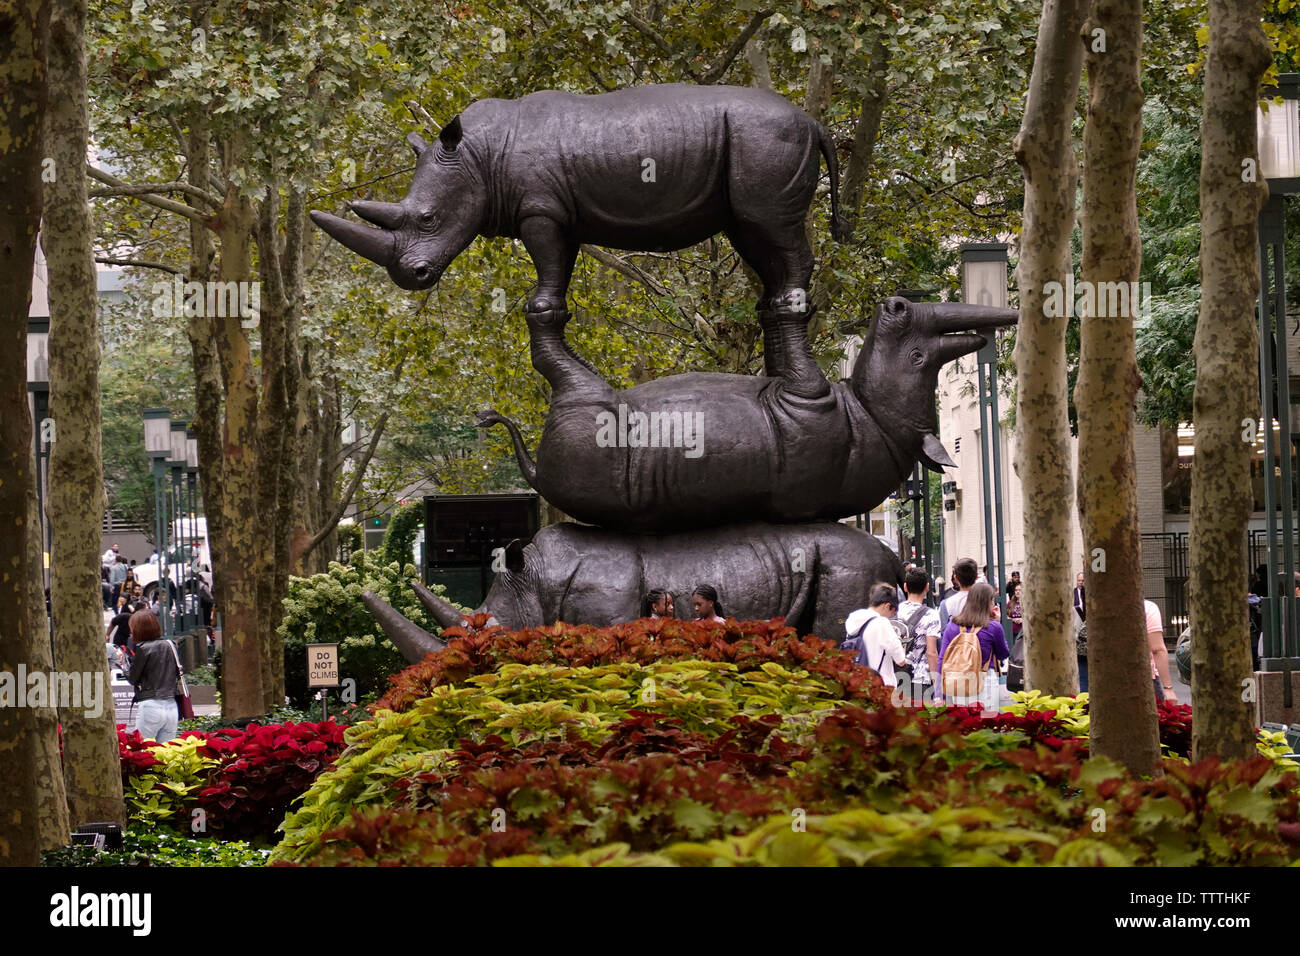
[190, 556]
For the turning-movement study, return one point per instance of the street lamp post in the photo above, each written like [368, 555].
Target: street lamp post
[919, 486]
[191, 485]
[157, 445]
[1279, 166]
[38, 385]
[984, 282]
[176, 531]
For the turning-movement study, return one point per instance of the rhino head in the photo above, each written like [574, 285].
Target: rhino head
[511, 601]
[897, 371]
[417, 238]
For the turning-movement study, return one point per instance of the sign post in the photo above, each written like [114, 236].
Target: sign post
[323, 671]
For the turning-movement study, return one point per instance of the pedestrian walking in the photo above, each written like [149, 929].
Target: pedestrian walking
[971, 644]
[154, 672]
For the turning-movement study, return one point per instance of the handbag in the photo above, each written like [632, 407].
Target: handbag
[1016, 665]
[184, 705]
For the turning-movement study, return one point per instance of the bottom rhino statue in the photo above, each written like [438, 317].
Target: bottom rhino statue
[813, 575]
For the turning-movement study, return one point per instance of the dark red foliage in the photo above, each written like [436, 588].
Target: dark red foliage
[747, 644]
[135, 753]
[262, 769]
[1175, 727]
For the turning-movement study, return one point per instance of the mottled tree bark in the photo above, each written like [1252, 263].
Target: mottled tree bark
[51, 789]
[1227, 383]
[239, 557]
[24, 27]
[274, 418]
[1044, 148]
[1122, 705]
[76, 499]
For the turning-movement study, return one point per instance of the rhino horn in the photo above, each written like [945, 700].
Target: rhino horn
[956, 345]
[442, 612]
[377, 245]
[413, 641]
[963, 317]
[386, 214]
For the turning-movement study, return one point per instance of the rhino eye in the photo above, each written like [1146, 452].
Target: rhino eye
[918, 358]
[426, 218]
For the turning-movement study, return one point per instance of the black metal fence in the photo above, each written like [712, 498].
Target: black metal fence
[1164, 571]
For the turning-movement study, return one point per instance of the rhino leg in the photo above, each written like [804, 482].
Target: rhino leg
[784, 263]
[786, 354]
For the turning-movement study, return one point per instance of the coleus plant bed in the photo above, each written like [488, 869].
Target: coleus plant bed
[477, 649]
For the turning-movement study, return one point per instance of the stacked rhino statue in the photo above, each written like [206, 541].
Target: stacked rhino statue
[730, 479]
[807, 573]
[695, 450]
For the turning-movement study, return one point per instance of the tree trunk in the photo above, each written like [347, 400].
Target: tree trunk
[1227, 383]
[76, 499]
[1122, 705]
[51, 788]
[1044, 148]
[276, 416]
[239, 559]
[23, 36]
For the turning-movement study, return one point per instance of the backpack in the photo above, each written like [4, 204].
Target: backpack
[855, 643]
[962, 675]
[907, 629]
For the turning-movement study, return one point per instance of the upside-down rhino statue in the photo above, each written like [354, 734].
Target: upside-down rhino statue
[702, 450]
[650, 168]
[814, 575]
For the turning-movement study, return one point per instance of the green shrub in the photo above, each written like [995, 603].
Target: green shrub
[204, 676]
[399, 537]
[327, 609]
[144, 845]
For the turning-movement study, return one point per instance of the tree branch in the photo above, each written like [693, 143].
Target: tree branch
[357, 475]
[657, 38]
[189, 212]
[715, 72]
[139, 264]
[346, 500]
[629, 269]
[149, 188]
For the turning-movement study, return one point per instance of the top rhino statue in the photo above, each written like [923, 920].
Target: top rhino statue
[702, 450]
[650, 168]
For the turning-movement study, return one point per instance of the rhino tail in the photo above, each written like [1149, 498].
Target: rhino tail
[413, 641]
[840, 230]
[489, 417]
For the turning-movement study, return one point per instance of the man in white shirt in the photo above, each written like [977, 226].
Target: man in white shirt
[923, 623]
[1164, 684]
[881, 648]
[964, 575]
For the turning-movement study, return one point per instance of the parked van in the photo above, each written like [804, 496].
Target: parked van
[190, 558]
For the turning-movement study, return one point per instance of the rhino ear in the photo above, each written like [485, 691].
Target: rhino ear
[417, 143]
[934, 455]
[451, 133]
[515, 556]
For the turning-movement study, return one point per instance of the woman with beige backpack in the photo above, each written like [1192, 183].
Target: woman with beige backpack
[971, 645]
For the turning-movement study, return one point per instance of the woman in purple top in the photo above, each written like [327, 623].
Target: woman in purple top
[981, 612]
